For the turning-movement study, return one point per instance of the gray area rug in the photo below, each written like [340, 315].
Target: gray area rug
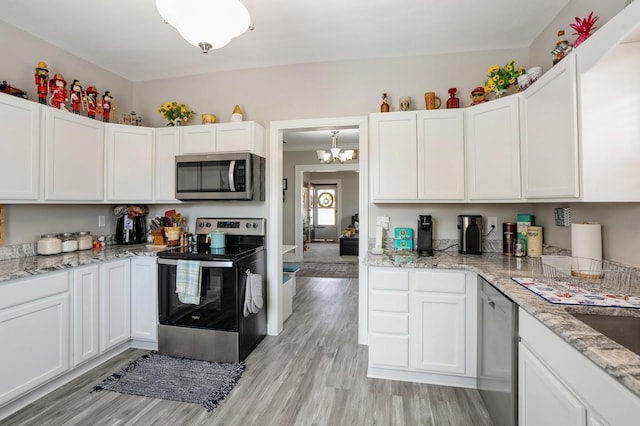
[177, 379]
[328, 270]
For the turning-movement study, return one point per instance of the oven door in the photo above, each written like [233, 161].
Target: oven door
[218, 308]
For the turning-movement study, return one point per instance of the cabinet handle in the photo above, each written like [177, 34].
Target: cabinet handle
[492, 304]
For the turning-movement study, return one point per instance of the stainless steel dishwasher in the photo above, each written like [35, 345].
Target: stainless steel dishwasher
[498, 354]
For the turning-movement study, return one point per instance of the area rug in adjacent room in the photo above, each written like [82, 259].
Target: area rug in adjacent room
[328, 270]
[177, 379]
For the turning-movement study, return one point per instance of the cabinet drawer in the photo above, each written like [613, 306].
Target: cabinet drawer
[20, 291]
[389, 279]
[390, 301]
[389, 350]
[440, 282]
[383, 322]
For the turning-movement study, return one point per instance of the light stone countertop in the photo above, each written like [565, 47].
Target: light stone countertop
[619, 362]
[33, 265]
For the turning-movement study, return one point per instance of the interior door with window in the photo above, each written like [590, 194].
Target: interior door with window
[324, 212]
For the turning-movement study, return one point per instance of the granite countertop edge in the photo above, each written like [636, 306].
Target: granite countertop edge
[30, 266]
[616, 360]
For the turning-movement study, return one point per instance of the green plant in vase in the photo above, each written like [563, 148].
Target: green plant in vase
[175, 113]
[502, 78]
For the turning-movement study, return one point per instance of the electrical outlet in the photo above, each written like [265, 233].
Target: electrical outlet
[492, 227]
[101, 221]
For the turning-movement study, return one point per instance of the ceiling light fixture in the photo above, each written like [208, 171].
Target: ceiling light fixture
[204, 23]
[335, 153]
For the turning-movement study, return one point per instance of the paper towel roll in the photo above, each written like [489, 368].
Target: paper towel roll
[586, 242]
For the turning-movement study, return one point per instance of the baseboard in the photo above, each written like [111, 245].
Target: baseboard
[422, 377]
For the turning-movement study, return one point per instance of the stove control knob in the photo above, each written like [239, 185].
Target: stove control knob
[208, 224]
[255, 225]
[248, 225]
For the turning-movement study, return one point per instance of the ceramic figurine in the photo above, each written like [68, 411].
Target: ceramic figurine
[42, 82]
[478, 96]
[453, 102]
[75, 96]
[385, 103]
[58, 89]
[237, 114]
[107, 106]
[91, 101]
[562, 48]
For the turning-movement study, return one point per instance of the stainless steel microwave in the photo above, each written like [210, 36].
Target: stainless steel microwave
[228, 176]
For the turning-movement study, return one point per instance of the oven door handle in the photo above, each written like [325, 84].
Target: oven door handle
[203, 264]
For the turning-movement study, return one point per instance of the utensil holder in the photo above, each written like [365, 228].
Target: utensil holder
[158, 237]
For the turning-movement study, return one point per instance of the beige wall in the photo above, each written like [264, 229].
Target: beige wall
[21, 52]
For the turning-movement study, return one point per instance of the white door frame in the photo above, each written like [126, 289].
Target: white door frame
[274, 222]
[338, 183]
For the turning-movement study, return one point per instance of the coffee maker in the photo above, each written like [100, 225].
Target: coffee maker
[425, 234]
[470, 234]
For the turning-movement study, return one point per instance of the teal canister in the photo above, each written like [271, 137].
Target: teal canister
[216, 240]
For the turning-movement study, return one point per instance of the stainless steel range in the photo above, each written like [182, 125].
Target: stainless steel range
[214, 327]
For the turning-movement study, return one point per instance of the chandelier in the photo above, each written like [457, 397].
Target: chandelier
[335, 153]
[206, 24]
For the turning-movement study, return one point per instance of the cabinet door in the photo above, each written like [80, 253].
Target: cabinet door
[394, 173]
[115, 303]
[35, 340]
[542, 399]
[144, 298]
[244, 136]
[20, 159]
[550, 134]
[167, 146]
[197, 139]
[493, 150]
[438, 338]
[440, 155]
[74, 157]
[129, 163]
[85, 313]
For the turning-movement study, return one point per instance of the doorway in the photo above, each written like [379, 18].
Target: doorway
[323, 212]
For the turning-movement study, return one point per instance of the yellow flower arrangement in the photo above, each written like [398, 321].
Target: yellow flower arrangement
[501, 78]
[173, 111]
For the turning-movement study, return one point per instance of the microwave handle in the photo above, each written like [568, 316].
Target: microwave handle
[232, 172]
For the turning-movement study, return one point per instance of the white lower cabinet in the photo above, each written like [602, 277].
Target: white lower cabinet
[115, 303]
[34, 329]
[422, 325]
[85, 291]
[144, 298]
[557, 385]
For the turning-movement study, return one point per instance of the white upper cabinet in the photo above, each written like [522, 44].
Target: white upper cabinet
[440, 155]
[166, 147]
[129, 163]
[197, 139]
[20, 159]
[609, 83]
[74, 157]
[393, 156]
[240, 136]
[492, 132]
[550, 134]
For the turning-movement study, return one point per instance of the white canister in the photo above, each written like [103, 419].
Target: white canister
[69, 242]
[49, 244]
[85, 241]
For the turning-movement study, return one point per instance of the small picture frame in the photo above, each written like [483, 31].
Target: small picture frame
[284, 184]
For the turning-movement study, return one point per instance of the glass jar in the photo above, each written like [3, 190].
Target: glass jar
[49, 244]
[85, 241]
[69, 242]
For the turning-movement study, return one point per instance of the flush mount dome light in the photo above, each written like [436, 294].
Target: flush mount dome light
[206, 24]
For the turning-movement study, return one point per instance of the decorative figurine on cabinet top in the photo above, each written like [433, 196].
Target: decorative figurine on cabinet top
[478, 96]
[91, 102]
[453, 101]
[58, 89]
[42, 82]
[75, 95]
[563, 47]
[236, 115]
[107, 106]
[385, 103]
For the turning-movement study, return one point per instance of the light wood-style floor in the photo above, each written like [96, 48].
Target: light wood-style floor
[313, 373]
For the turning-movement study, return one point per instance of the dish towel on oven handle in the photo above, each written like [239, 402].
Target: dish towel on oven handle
[188, 281]
[253, 301]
